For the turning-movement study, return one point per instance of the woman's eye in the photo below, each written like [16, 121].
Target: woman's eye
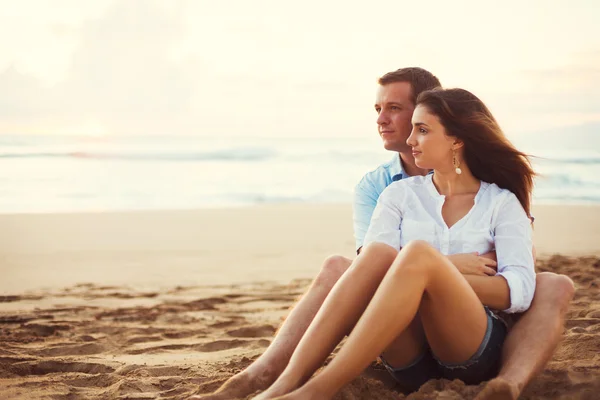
[422, 130]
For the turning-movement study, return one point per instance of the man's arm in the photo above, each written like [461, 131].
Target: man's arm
[365, 201]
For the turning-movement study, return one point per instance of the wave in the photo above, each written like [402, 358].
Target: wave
[588, 160]
[228, 155]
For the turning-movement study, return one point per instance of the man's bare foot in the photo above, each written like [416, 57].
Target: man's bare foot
[239, 386]
[499, 389]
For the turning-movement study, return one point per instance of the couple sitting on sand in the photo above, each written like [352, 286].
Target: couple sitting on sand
[444, 239]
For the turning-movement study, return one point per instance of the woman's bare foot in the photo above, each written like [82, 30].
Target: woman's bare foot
[499, 389]
[282, 386]
[240, 385]
[306, 392]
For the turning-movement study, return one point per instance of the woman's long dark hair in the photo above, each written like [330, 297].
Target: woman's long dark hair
[490, 156]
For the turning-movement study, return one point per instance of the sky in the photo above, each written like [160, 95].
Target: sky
[277, 68]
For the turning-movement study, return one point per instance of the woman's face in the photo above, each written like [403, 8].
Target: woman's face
[431, 146]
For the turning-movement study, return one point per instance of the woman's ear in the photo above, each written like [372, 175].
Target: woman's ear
[457, 144]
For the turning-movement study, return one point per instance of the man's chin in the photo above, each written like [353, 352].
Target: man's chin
[392, 146]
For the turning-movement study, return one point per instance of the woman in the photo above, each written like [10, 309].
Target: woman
[424, 316]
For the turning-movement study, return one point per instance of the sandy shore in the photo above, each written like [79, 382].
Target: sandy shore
[151, 305]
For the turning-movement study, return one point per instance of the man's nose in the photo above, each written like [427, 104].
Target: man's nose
[382, 118]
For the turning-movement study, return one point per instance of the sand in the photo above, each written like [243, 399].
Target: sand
[149, 305]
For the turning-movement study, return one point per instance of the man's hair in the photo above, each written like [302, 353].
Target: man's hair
[420, 80]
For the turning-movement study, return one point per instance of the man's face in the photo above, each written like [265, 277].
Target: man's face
[394, 108]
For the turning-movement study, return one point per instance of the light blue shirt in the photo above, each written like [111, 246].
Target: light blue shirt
[367, 192]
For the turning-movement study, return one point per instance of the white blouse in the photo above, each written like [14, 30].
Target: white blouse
[411, 209]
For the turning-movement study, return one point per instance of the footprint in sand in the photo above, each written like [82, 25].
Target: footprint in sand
[45, 329]
[204, 304]
[100, 381]
[220, 345]
[72, 350]
[143, 339]
[49, 367]
[253, 331]
[160, 349]
[16, 319]
[158, 371]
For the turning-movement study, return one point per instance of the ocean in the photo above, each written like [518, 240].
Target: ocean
[47, 174]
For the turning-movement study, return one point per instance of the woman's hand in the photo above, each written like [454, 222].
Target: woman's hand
[473, 264]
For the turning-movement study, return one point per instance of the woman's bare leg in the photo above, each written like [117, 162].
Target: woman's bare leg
[420, 279]
[264, 371]
[336, 318]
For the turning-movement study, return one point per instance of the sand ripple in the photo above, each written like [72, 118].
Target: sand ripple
[104, 342]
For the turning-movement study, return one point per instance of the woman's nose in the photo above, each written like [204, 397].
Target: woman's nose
[410, 140]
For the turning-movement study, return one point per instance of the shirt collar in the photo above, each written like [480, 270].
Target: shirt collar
[396, 171]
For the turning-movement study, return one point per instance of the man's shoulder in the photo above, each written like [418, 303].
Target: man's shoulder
[380, 176]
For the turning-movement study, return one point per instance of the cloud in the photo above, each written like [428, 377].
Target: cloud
[227, 69]
[122, 75]
[563, 96]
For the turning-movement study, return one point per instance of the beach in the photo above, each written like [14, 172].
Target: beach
[166, 304]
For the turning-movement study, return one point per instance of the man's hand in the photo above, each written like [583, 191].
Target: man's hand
[474, 264]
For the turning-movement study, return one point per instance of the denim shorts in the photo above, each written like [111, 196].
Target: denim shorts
[482, 366]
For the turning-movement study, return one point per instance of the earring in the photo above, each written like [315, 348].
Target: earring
[456, 163]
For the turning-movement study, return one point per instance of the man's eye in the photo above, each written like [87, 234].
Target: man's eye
[395, 108]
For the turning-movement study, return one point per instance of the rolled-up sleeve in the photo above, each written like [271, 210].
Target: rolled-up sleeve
[387, 217]
[514, 246]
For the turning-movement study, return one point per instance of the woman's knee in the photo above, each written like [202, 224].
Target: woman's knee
[332, 270]
[417, 251]
[554, 290]
[418, 256]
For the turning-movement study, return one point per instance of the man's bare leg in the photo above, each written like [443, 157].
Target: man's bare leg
[533, 339]
[267, 368]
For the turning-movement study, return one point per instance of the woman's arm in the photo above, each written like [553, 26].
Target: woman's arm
[493, 291]
[474, 264]
[514, 245]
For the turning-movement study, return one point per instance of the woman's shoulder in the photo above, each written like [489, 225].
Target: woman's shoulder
[408, 183]
[503, 202]
[401, 190]
[496, 192]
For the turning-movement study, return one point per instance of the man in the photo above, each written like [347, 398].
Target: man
[532, 339]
